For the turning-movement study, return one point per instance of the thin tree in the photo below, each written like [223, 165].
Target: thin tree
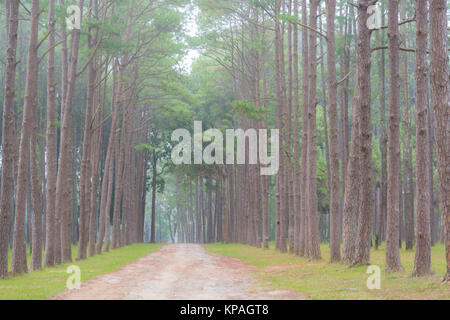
[440, 100]
[422, 259]
[8, 132]
[304, 139]
[393, 183]
[51, 165]
[64, 177]
[312, 243]
[349, 212]
[19, 259]
[362, 254]
[335, 254]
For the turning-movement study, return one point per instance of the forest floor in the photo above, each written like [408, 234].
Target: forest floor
[45, 283]
[322, 280]
[179, 271]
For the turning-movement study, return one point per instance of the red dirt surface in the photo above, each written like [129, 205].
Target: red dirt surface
[178, 272]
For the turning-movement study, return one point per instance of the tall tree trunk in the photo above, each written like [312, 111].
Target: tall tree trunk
[225, 212]
[209, 227]
[154, 162]
[231, 198]
[19, 259]
[8, 133]
[51, 163]
[383, 139]
[393, 182]
[335, 254]
[36, 190]
[408, 184]
[197, 212]
[64, 177]
[288, 123]
[108, 175]
[349, 212]
[344, 115]
[422, 259]
[191, 214]
[95, 167]
[440, 100]
[304, 140]
[362, 253]
[313, 243]
[296, 105]
[85, 174]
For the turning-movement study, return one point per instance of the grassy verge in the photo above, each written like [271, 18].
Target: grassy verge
[45, 283]
[322, 280]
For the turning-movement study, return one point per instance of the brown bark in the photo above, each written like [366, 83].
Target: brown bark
[281, 123]
[296, 105]
[232, 199]
[312, 243]
[36, 191]
[19, 259]
[408, 184]
[8, 133]
[288, 122]
[349, 212]
[197, 212]
[95, 168]
[225, 211]
[383, 140]
[422, 259]
[59, 218]
[304, 140]
[362, 253]
[51, 164]
[85, 174]
[153, 222]
[440, 100]
[108, 174]
[335, 254]
[344, 114]
[393, 182]
[64, 178]
[209, 226]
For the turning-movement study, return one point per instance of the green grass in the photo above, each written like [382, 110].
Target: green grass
[45, 283]
[322, 280]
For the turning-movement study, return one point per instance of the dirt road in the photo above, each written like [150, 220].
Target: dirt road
[178, 271]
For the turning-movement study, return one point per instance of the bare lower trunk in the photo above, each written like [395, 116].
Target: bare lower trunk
[19, 259]
[64, 178]
[312, 243]
[393, 182]
[362, 253]
[304, 140]
[8, 133]
[51, 163]
[335, 254]
[440, 100]
[422, 259]
[153, 228]
[349, 212]
[36, 189]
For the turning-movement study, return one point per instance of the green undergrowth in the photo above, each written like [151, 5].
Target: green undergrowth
[45, 283]
[319, 279]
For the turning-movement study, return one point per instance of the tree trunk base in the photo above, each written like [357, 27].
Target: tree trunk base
[394, 269]
[417, 273]
[446, 278]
